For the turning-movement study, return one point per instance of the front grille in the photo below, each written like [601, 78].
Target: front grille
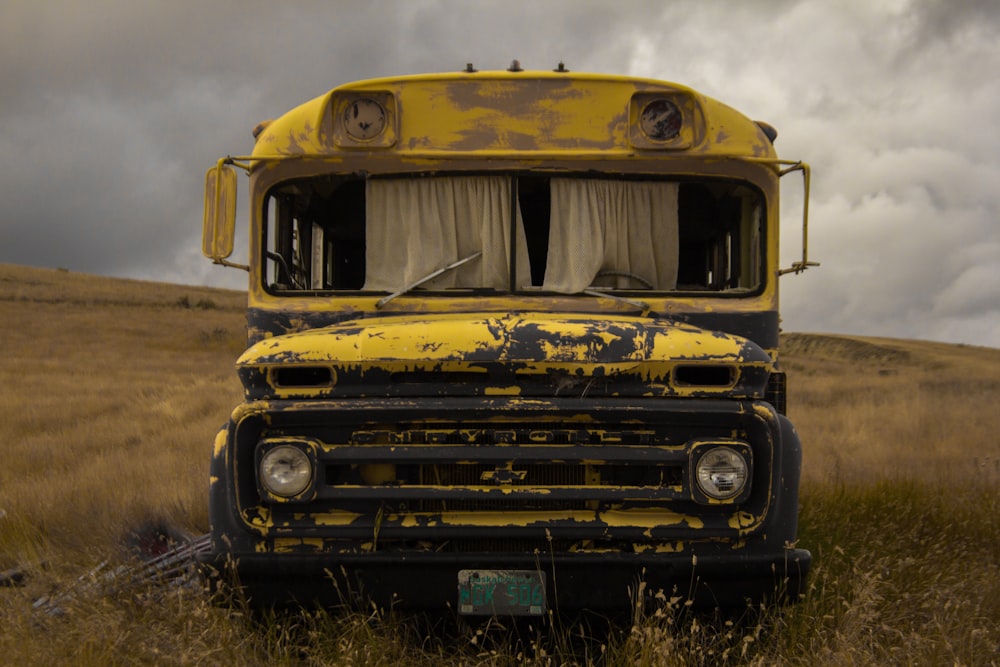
[501, 470]
[499, 466]
[547, 476]
[550, 474]
[508, 477]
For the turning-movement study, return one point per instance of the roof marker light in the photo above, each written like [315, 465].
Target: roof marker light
[661, 120]
[768, 129]
[364, 119]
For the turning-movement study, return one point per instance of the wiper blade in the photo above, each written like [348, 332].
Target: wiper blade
[431, 276]
[641, 305]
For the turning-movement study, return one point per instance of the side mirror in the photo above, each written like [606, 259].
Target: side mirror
[220, 213]
[804, 263]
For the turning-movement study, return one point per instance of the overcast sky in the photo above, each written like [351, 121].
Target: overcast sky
[111, 111]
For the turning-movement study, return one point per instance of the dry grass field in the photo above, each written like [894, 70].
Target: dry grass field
[112, 391]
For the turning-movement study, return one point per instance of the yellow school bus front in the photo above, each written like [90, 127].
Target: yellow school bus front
[509, 329]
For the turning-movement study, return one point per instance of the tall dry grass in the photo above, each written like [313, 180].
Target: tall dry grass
[871, 409]
[112, 391]
[899, 500]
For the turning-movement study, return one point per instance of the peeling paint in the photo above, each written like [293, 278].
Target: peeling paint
[335, 518]
[575, 353]
[659, 547]
[742, 520]
[221, 437]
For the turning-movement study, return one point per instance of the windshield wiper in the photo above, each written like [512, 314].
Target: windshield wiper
[641, 305]
[431, 276]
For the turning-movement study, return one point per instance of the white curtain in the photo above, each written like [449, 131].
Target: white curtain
[416, 226]
[615, 227]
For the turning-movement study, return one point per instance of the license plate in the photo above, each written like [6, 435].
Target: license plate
[501, 592]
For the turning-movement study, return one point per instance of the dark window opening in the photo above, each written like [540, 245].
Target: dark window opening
[345, 232]
[303, 376]
[535, 202]
[704, 376]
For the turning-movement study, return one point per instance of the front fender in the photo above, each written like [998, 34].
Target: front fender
[227, 531]
[783, 527]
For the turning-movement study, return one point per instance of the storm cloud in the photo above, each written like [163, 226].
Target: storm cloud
[112, 110]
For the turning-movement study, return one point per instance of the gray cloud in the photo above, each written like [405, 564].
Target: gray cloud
[112, 110]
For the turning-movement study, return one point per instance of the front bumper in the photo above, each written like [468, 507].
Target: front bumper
[605, 582]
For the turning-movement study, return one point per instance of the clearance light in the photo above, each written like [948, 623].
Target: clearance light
[364, 119]
[721, 473]
[285, 471]
[661, 120]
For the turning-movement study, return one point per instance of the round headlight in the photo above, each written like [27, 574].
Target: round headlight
[721, 473]
[285, 471]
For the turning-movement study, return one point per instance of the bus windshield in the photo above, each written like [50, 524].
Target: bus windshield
[521, 232]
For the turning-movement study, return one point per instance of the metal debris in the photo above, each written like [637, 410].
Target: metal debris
[174, 566]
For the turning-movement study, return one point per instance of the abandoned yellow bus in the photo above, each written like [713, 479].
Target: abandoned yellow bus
[512, 349]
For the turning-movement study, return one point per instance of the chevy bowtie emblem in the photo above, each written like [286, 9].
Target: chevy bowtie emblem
[503, 475]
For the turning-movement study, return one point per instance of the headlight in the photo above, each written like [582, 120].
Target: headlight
[721, 473]
[285, 471]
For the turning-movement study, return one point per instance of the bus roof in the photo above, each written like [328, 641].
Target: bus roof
[513, 114]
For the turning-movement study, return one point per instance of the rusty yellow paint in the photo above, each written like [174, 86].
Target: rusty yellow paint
[650, 518]
[658, 547]
[497, 114]
[352, 304]
[261, 518]
[537, 343]
[763, 411]
[414, 520]
[334, 518]
[291, 544]
[743, 520]
[502, 391]
[221, 437]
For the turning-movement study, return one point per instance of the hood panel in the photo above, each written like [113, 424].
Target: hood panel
[505, 354]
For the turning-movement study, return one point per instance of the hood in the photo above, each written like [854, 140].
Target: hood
[522, 354]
